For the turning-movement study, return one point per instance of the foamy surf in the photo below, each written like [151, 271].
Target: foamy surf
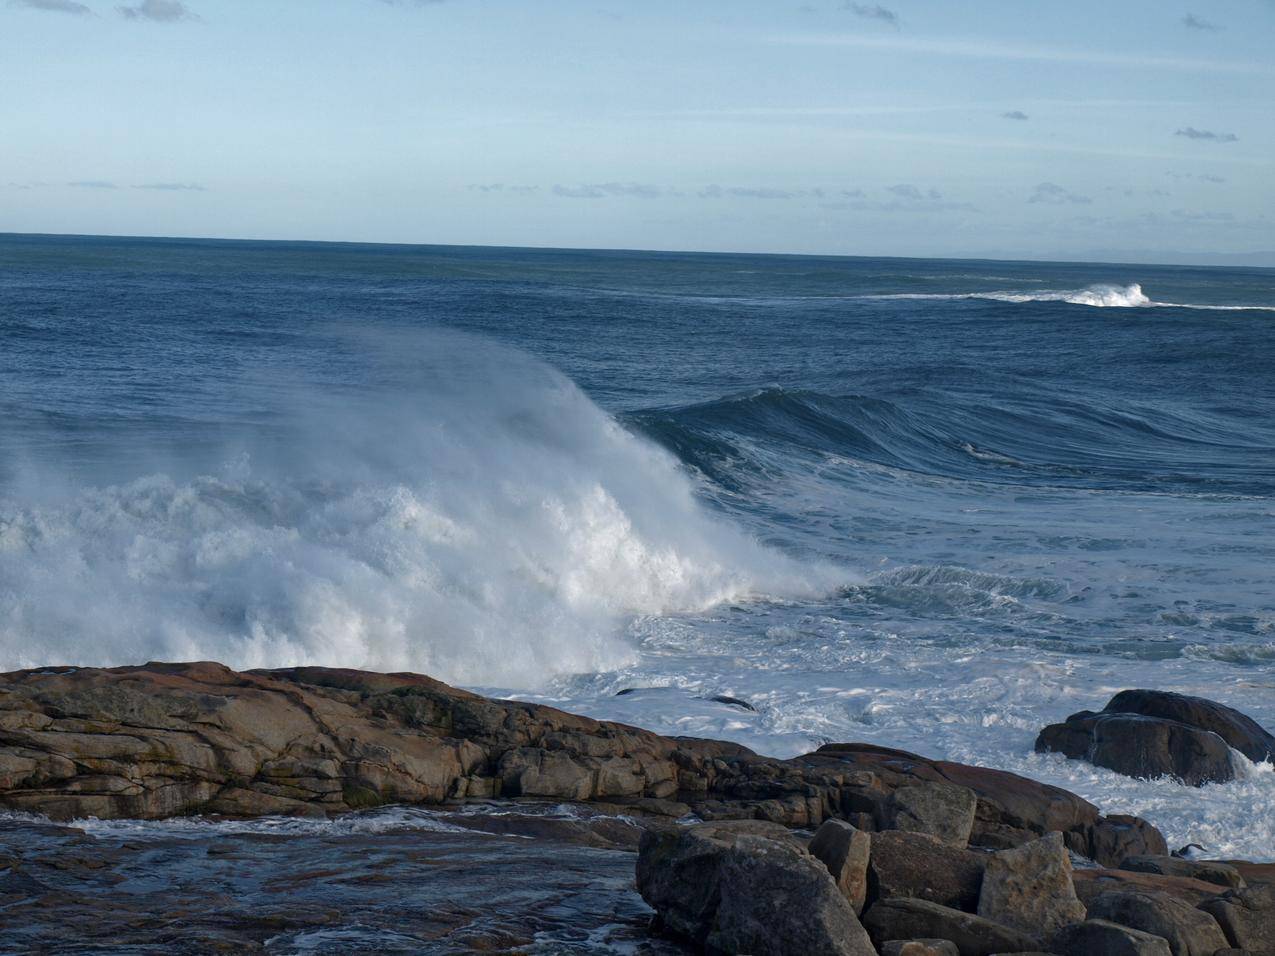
[488, 524]
[1099, 296]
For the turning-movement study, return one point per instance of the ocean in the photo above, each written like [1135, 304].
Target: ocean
[930, 504]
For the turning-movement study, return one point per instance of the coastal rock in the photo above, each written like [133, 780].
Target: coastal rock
[1187, 930]
[916, 866]
[1240, 731]
[908, 919]
[919, 947]
[1150, 734]
[1247, 917]
[940, 810]
[845, 852]
[1011, 809]
[1205, 870]
[163, 740]
[746, 887]
[1144, 747]
[1029, 888]
[1089, 883]
[1098, 937]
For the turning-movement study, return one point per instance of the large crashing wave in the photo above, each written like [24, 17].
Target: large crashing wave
[489, 524]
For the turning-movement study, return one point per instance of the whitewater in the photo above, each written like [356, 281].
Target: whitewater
[929, 505]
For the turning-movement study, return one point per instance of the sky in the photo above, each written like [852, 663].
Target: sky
[1122, 129]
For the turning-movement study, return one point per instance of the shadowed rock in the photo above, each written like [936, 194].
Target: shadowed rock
[1247, 917]
[746, 887]
[917, 866]
[1150, 734]
[940, 810]
[1187, 930]
[905, 919]
[1098, 937]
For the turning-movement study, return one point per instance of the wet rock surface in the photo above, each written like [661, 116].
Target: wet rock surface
[1150, 734]
[519, 879]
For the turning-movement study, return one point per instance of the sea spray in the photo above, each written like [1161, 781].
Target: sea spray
[486, 524]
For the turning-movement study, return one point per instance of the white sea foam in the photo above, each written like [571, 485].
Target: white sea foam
[489, 525]
[1100, 296]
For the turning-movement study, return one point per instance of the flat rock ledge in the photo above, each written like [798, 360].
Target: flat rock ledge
[162, 740]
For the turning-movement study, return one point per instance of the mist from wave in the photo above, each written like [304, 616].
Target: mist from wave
[484, 522]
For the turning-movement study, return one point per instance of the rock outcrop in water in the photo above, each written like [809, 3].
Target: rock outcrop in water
[163, 740]
[1150, 734]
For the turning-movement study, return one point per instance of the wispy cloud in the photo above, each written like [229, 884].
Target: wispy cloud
[715, 191]
[173, 187]
[915, 193]
[603, 190]
[1192, 22]
[985, 50]
[158, 11]
[1199, 177]
[1190, 132]
[873, 12]
[93, 184]
[502, 188]
[1014, 115]
[1054, 194]
[54, 6]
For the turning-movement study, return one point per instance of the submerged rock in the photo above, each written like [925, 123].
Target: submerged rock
[1151, 734]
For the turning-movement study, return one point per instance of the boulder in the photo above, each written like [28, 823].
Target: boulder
[919, 947]
[940, 810]
[908, 919]
[746, 887]
[845, 851]
[1207, 871]
[1238, 730]
[1247, 917]
[1150, 734]
[1089, 883]
[916, 866]
[1029, 888]
[1098, 937]
[1011, 809]
[1144, 747]
[1188, 931]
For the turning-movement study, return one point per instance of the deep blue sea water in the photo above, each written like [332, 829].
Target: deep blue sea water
[932, 504]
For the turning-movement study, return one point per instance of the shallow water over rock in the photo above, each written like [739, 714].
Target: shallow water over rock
[535, 878]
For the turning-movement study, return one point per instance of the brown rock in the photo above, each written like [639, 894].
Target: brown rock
[1029, 888]
[1090, 883]
[940, 810]
[916, 866]
[1247, 917]
[845, 852]
[1208, 872]
[1188, 931]
[906, 919]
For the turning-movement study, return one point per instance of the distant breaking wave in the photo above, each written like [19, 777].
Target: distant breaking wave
[1098, 296]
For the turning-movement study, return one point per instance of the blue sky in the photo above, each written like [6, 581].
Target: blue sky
[1121, 129]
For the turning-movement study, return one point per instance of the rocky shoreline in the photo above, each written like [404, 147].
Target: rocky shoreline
[850, 849]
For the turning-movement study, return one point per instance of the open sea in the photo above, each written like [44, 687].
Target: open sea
[930, 504]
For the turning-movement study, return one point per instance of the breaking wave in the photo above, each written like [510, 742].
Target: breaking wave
[1097, 296]
[486, 523]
